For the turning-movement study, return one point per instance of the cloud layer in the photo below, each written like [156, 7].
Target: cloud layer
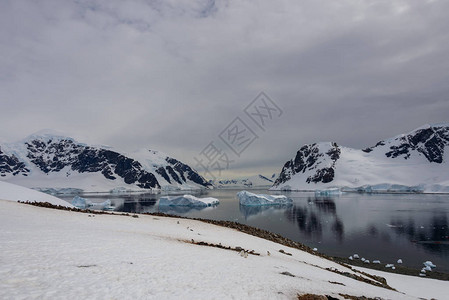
[171, 75]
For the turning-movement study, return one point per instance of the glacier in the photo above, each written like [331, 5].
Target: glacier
[187, 200]
[247, 198]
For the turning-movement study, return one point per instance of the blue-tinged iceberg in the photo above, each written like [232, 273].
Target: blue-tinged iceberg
[80, 202]
[247, 198]
[187, 200]
[83, 203]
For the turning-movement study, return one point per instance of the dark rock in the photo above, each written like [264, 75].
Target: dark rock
[308, 158]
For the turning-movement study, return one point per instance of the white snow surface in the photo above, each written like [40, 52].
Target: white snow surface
[53, 254]
[251, 199]
[423, 288]
[86, 182]
[16, 193]
[187, 200]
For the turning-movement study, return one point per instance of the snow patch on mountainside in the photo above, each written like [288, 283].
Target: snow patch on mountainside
[413, 162]
[49, 160]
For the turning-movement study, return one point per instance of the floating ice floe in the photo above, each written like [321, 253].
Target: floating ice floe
[356, 256]
[187, 200]
[362, 259]
[247, 198]
[376, 261]
[80, 202]
[430, 264]
[328, 192]
[315, 249]
[422, 274]
[389, 266]
[350, 258]
[106, 205]
[366, 261]
[427, 268]
[399, 261]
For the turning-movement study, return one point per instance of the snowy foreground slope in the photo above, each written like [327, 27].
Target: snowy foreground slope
[12, 192]
[50, 254]
[413, 162]
[56, 163]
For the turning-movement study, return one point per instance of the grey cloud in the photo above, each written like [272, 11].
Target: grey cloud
[172, 74]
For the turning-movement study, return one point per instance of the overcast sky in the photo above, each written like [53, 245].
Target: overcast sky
[172, 75]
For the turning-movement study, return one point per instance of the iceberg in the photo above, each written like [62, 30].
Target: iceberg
[187, 200]
[83, 203]
[80, 202]
[106, 205]
[429, 264]
[247, 198]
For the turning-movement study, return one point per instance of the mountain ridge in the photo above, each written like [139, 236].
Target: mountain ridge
[48, 160]
[416, 161]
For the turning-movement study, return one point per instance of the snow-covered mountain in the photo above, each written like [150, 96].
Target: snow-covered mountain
[54, 162]
[256, 181]
[414, 162]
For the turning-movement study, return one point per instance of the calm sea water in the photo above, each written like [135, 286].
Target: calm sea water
[413, 227]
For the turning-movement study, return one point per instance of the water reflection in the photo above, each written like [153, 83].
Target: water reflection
[317, 216]
[338, 229]
[179, 210]
[256, 210]
[324, 204]
[137, 206]
[432, 235]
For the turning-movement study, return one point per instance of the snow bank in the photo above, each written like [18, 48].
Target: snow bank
[247, 198]
[117, 257]
[187, 200]
[423, 288]
[12, 192]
